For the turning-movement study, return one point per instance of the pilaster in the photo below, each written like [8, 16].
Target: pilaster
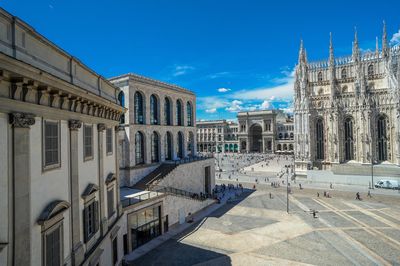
[21, 123]
[77, 246]
[103, 217]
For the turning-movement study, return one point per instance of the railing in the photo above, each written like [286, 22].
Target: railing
[183, 193]
[193, 159]
[139, 198]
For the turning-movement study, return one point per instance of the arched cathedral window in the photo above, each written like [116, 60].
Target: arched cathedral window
[382, 138]
[344, 73]
[319, 76]
[348, 139]
[319, 127]
[370, 70]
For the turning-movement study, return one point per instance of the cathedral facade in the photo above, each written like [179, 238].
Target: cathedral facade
[347, 110]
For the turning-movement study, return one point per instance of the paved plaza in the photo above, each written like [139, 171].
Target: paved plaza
[255, 229]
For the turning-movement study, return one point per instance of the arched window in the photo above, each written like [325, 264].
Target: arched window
[280, 136]
[154, 110]
[190, 144]
[285, 147]
[189, 114]
[319, 76]
[139, 108]
[180, 145]
[121, 101]
[348, 139]
[319, 126]
[286, 135]
[179, 115]
[168, 146]
[382, 138]
[279, 147]
[167, 111]
[139, 148]
[370, 70]
[344, 73]
[155, 148]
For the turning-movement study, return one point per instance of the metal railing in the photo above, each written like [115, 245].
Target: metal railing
[183, 193]
[193, 159]
[139, 198]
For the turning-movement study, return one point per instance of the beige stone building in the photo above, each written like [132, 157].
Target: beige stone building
[217, 136]
[159, 125]
[163, 179]
[59, 196]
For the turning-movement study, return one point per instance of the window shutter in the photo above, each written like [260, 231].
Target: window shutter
[96, 216]
[85, 224]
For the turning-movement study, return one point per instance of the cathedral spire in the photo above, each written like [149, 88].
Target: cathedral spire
[331, 56]
[356, 49]
[376, 47]
[385, 46]
[302, 56]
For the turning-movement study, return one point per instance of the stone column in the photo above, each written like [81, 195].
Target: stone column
[77, 246]
[100, 140]
[21, 123]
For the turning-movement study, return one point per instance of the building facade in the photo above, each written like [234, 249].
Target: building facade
[347, 110]
[59, 187]
[217, 136]
[159, 125]
[266, 131]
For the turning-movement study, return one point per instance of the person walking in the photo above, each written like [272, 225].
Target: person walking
[358, 196]
[369, 193]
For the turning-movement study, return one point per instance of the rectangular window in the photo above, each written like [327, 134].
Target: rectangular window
[115, 250]
[51, 147]
[53, 247]
[109, 141]
[88, 142]
[91, 220]
[110, 202]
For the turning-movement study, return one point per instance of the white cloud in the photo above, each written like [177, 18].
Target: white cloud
[235, 106]
[223, 89]
[211, 111]
[265, 105]
[180, 70]
[395, 38]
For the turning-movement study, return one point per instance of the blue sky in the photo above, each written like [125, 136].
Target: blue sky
[235, 55]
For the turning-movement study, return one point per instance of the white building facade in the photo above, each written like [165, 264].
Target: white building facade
[59, 195]
[347, 110]
[217, 136]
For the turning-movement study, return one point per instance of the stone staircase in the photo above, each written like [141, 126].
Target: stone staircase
[154, 177]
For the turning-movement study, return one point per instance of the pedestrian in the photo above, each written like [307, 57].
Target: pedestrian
[331, 186]
[317, 194]
[369, 193]
[270, 195]
[358, 196]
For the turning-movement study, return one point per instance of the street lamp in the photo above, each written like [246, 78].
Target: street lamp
[287, 188]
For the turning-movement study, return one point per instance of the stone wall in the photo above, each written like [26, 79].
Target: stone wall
[190, 176]
[173, 205]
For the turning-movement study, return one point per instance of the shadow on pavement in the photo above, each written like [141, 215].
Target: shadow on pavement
[177, 253]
